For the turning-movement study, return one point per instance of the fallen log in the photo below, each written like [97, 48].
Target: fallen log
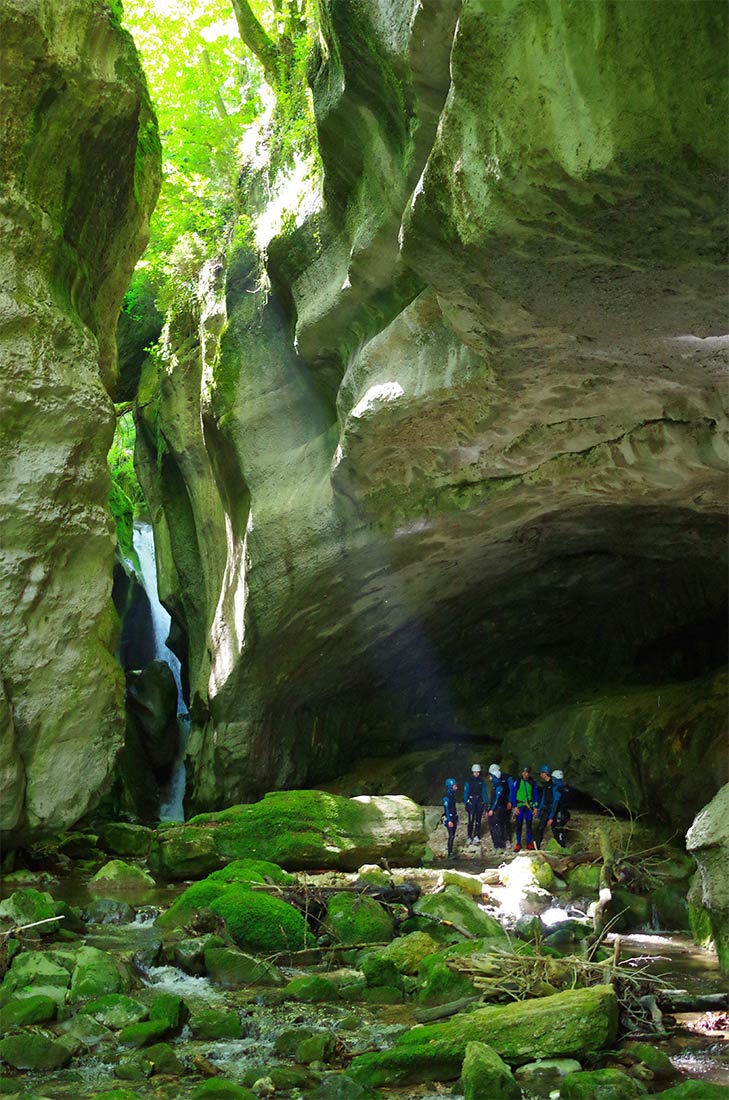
[678, 1000]
[441, 1012]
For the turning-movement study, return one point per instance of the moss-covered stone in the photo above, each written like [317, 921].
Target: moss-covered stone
[218, 1089]
[33, 973]
[189, 955]
[357, 918]
[694, 1090]
[379, 970]
[584, 880]
[35, 1051]
[29, 906]
[708, 841]
[118, 875]
[439, 984]
[600, 1084]
[145, 1033]
[298, 829]
[633, 911]
[575, 1022]
[97, 973]
[82, 1033]
[484, 1074]
[234, 970]
[407, 952]
[312, 989]
[23, 1011]
[671, 908]
[253, 870]
[198, 896]
[461, 911]
[123, 839]
[319, 1047]
[216, 1023]
[171, 1009]
[656, 1059]
[261, 922]
[116, 1010]
[164, 1060]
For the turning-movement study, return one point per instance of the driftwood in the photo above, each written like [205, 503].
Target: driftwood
[23, 927]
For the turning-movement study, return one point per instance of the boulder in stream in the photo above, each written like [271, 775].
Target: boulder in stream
[571, 1023]
[486, 1074]
[600, 1084]
[299, 830]
[708, 841]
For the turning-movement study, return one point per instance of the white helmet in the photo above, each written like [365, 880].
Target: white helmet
[495, 770]
[557, 774]
[475, 768]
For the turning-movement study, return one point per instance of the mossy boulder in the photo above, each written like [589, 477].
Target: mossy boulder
[600, 1084]
[23, 1011]
[461, 911]
[708, 841]
[117, 1094]
[198, 896]
[694, 1090]
[261, 922]
[33, 973]
[253, 870]
[439, 984]
[485, 1074]
[407, 952]
[171, 1009]
[233, 969]
[97, 973]
[35, 1051]
[118, 875]
[287, 1041]
[108, 911]
[27, 906]
[216, 1023]
[145, 1033]
[584, 880]
[119, 838]
[380, 971]
[357, 918]
[319, 1047]
[632, 911]
[116, 1010]
[83, 1032]
[572, 1023]
[164, 1060]
[312, 989]
[218, 1089]
[656, 1059]
[189, 955]
[297, 829]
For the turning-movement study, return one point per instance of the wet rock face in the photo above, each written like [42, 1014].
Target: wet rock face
[79, 178]
[708, 841]
[485, 479]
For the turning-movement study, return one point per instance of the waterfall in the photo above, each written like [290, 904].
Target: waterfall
[172, 794]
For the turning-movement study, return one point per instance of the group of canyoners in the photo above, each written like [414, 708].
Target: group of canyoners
[536, 805]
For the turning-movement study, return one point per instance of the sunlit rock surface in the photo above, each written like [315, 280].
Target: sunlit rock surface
[708, 841]
[463, 471]
[80, 172]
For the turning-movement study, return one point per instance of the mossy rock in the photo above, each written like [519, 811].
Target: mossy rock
[144, 1034]
[694, 1090]
[287, 1042]
[600, 1084]
[233, 970]
[319, 1047]
[407, 952]
[576, 1022]
[108, 911]
[311, 989]
[379, 970]
[461, 911]
[33, 973]
[485, 1074]
[369, 874]
[118, 875]
[116, 1010]
[216, 1023]
[633, 911]
[443, 934]
[253, 870]
[97, 973]
[28, 906]
[189, 955]
[119, 838]
[117, 1094]
[83, 1032]
[32, 1050]
[655, 1058]
[296, 829]
[24, 1011]
[356, 918]
[171, 1009]
[164, 1060]
[260, 922]
[584, 880]
[382, 995]
[470, 884]
[198, 896]
[439, 984]
[217, 1089]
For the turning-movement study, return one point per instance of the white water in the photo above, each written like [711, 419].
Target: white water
[171, 808]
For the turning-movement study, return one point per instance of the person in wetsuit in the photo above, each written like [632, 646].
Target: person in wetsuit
[450, 813]
[475, 798]
[498, 806]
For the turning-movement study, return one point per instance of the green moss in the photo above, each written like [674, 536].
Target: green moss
[144, 1034]
[600, 1084]
[260, 922]
[252, 870]
[312, 989]
[439, 984]
[356, 918]
[198, 896]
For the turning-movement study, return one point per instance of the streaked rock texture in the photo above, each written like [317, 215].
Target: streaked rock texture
[708, 841]
[465, 466]
[79, 177]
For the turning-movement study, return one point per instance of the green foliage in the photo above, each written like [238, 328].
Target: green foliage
[259, 922]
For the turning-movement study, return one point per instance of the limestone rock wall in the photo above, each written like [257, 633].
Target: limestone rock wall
[79, 177]
[464, 465]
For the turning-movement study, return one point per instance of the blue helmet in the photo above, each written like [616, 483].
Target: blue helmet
[450, 784]
[546, 769]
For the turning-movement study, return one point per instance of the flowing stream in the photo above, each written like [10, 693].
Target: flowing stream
[171, 796]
